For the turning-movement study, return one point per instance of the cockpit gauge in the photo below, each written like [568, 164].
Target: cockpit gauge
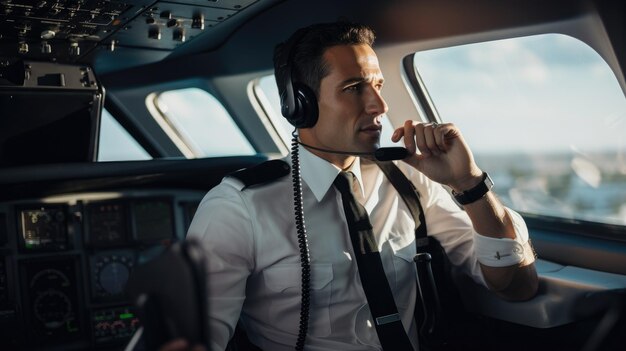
[52, 308]
[52, 302]
[109, 274]
[106, 223]
[153, 221]
[43, 228]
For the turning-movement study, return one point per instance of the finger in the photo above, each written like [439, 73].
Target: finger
[429, 138]
[409, 136]
[420, 139]
[440, 137]
[397, 134]
[449, 133]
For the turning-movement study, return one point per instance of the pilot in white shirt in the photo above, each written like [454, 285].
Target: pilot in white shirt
[254, 261]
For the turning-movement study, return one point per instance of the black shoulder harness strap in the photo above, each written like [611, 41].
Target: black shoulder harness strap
[262, 173]
[431, 321]
[410, 196]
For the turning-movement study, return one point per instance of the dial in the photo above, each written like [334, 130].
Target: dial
[110, 273]
[51, 300]
[49, 277]
[52, 308]
[51, 305]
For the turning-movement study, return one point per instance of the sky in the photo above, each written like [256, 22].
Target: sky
[552, 90]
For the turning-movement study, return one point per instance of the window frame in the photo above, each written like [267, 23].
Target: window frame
[187, 146]
[172, 133]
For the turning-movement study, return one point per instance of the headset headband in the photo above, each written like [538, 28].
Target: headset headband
[288, 106]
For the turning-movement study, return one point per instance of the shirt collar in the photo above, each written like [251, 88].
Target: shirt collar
[320, 174]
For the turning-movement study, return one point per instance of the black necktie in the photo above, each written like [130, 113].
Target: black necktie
[377, 291]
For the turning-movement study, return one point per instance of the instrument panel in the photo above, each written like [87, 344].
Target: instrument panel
[65, 262]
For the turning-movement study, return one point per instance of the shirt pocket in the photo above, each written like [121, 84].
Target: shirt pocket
[405, 270]
[283, 282]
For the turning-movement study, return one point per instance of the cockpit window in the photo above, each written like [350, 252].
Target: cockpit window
[555, 117]
[115, 142]
[198, 123]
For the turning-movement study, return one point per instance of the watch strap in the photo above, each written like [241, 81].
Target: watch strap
[475, 193]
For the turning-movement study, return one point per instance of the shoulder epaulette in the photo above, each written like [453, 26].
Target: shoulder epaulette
[262, 173]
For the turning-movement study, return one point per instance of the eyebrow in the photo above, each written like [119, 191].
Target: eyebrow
[361, 80]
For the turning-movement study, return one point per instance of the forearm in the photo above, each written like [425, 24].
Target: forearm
[518, 282]
[490, 219]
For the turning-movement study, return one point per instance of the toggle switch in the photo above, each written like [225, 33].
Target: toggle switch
[22, 48]
[179, 34]
[46, 48]
[197, 21]
[154, 32]
[74, 49]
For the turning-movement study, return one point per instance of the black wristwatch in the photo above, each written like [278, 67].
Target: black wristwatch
[475, 193]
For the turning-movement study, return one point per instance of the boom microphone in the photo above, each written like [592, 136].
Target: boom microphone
[391, 153]
[381, 154]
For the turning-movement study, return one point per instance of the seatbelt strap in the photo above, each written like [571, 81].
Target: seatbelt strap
[410, 196]
[432, 312]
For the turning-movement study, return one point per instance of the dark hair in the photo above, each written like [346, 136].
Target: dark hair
[307, 62]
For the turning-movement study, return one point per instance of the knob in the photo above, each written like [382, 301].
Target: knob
[172, 23]
[47, 34]
[150, 20]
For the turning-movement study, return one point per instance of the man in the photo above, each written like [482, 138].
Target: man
[249, 232]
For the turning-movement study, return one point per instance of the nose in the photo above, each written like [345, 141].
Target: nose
[375, 105]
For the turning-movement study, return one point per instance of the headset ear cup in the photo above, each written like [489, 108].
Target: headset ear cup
[307, 110]
[284, 109]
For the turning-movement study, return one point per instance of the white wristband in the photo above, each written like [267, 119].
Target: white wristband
[502, 252]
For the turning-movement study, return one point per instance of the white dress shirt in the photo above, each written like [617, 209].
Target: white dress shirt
[254, 263]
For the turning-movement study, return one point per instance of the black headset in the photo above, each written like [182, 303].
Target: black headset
[298, 102]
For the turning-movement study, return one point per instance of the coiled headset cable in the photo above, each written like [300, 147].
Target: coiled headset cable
[303, 244]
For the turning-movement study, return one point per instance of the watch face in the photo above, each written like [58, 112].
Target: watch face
[488, 181]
